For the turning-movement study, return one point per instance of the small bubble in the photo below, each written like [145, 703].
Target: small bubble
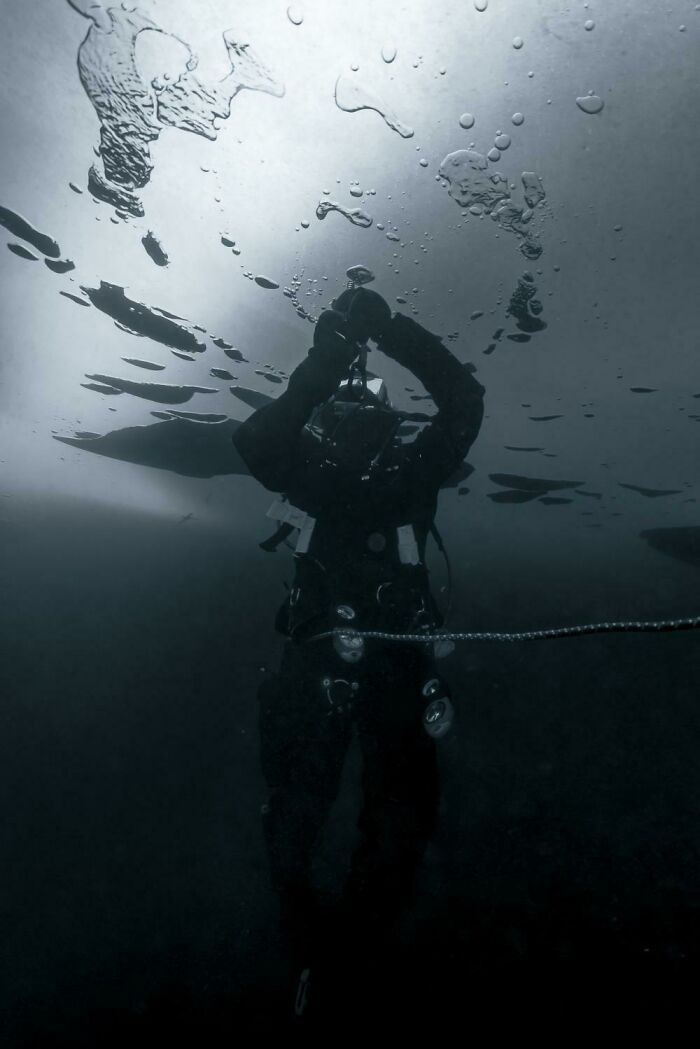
[423, 162]
[388, 53]
[305, 223]
[481, 5]
[295, 14]
[531, 74]
[442, 69]
[502, 141]
[518, 119]
[518, 42]
[682, 28]
[494, 155]
[354, 67]
[467, 120]
[589, 25]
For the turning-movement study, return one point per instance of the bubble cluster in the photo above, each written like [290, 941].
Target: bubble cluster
[484, 192]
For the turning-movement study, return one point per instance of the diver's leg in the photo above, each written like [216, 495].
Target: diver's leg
[400, 786]
[302, 747]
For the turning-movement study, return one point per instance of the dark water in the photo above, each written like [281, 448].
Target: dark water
[134, 859]
[524, 197]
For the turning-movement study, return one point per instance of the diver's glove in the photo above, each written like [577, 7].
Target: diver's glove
[327, 363]
[332, 340]
[369, 316]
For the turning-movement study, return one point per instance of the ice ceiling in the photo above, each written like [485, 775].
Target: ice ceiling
[184, 186]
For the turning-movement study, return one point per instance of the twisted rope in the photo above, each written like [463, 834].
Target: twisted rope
[629, 626]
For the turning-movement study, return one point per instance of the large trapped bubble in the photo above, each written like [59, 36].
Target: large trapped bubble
[473, 185]
[18, 225]
[357, 216]
[132, 112]
[470, 180]
[351, 97]
[590, 103]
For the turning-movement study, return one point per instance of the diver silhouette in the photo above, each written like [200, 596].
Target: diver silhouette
[363, 501]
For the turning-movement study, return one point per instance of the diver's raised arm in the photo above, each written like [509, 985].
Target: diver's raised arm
[268, 441]
[456, 392]
[458, 395]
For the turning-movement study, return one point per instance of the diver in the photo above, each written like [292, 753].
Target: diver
[362, 500]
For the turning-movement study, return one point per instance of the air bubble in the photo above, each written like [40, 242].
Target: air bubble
[351, 97]
[467, 120]
[355, 215]
[494, 155]
[423, 162]
[518, 119]
[590, 24]
[502, 141]
[481, 5]
[388, 53]
[295, 14]
[590, 103]
[518, 42]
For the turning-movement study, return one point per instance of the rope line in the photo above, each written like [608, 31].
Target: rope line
[630, 626]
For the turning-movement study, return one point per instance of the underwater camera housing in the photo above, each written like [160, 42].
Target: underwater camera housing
[356, 425]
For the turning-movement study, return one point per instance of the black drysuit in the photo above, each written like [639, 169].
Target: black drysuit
[355, 561]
